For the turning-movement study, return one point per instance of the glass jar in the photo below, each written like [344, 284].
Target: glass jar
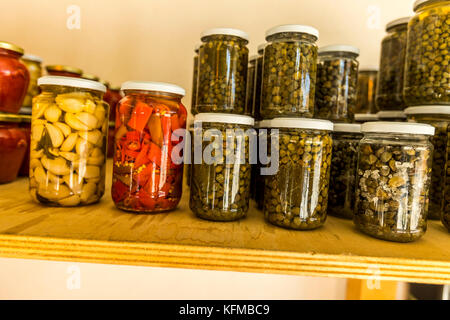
[220, 182]
[389, 95]
[446, 203]
[13, 146]
[296, 196]
[250, 95]
[439, 118]
[111, 132]
[148, 172]
[112, 97]
[188, 166]
[289, 75]
[263, 130]
[427, 69]
[63, 71]
[344, 161]
[195, 82]
[395, 116]
[258, 83]
[394, 173]
[365, 117]
[222, 72]
[367, 88]
[14, 78]
[68, 142]
[34, 66]
[25, 125]
[337, 77]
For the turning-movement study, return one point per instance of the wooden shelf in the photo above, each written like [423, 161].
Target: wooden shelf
[103, 234]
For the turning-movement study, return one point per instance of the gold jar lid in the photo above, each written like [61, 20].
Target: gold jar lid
[61, 68]
[9, 117]
[92, 77]
[11, 47]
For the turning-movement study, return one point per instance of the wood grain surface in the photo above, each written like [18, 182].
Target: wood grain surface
[101, 233]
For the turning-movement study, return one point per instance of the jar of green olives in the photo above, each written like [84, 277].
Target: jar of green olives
[439, 118]
[220, 182]
[296, 196]
[222, 71]
[365, 117]
[391, 116]
[250, 95]
[337, 78]
[427, 69]
[393, 180]
[344, 160]
[367, 88]
[389, 95]
[289, 72]
[258, 83]
[194, 82]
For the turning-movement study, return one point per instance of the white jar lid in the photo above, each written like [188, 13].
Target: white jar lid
[391, 114]
[32, 57]
[225, 31]
[71, 82]
[339, 48]
[347, 127]
[366, 117]
[153, 86]
[263, 124]
[428, 110]
[302, 123]
[293, 28]
[397, 22]
[397, 127]
[224, 118]
[261, 47]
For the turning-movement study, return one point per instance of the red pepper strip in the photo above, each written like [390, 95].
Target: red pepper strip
[166, 124]
[131, 154]
[159, 108]
[142, 157]
[146, 201]
[133, 136]
[175, 122]
[140, 116]
[182, 116]
[154, 154]
[119, 191]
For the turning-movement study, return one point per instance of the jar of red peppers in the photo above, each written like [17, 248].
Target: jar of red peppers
[63, 71]
[14, 78]
[148, 170]
[25, 125]
[13, 146]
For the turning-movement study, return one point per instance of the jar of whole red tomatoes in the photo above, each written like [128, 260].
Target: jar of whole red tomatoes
[148, 159]
[13, 146]
[25, 125]
[14, 78]
[63, 71]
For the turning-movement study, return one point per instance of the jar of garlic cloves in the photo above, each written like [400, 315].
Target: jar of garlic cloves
[68, 142]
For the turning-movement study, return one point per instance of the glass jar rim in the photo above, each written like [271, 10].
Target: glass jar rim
[62, 68]
[31, 57]
[397, 22]
[428, 110]
[339, 48]
[224, 118]
[226, 32]
[302, 123]
[292, 28]
[388, 127]
[9, 117]
[366, 117]
[421, 3]
[11, 47]
[153, 86]
[391, 114]
[71, 82]
[261, 48]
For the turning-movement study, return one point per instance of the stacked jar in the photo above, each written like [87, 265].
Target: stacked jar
[258, 83]
[195, 81]
[251, 81]
[393, 180]
[148, 160]
[263, 131]
[68, 142]
[366, 92]
[389, 94]
[34, 66]
[63, 71]
[337, 78]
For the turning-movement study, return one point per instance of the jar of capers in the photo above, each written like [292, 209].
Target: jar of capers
[337, 77]
[222, 71]
[394, 174]
[296, 196]
[220, 182]
[427, 73]
[250, 95]
[439, 118]
[289, 72]
[396, 116]
[389, 94]
[367, 88]
[346, 137]
[194, 82]
[365, 117]
[258, 83]
[263, 129]
[188, 166]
